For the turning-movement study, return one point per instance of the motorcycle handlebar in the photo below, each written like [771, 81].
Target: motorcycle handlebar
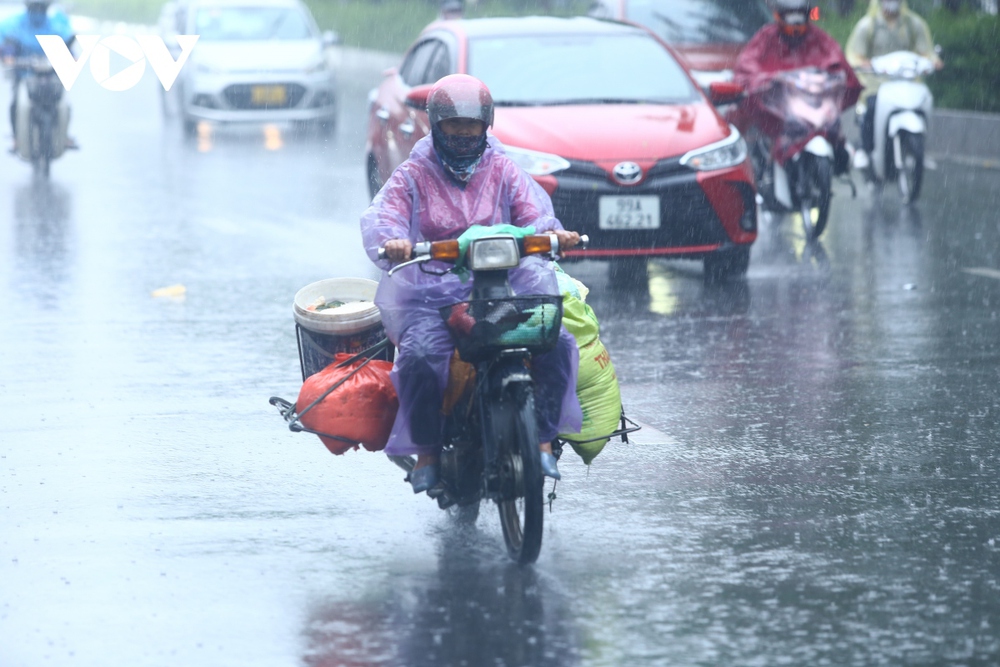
[34, 63]
[448, 250]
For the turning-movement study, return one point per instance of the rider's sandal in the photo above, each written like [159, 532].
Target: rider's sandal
[424, 479]
[549, 467]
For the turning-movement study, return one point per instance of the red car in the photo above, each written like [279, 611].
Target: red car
[708, 34]
[604, 117]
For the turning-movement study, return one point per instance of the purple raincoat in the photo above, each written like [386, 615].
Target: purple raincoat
[420, 202]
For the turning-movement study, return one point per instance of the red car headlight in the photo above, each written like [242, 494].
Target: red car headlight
[730, 152]
[535, 163]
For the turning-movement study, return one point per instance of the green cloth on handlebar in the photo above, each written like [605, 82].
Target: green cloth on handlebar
[479, 231]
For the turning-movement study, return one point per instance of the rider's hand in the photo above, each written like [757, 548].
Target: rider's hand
[398, 250]
[567, 239]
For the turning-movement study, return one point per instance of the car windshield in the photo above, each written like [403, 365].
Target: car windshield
[700, 21]
[231, 24]
[586, 69]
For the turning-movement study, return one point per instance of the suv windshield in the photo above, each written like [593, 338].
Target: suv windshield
[227, 24]
[586, 69]
[700, 21]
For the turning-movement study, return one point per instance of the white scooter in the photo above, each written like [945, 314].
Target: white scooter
[903, 108]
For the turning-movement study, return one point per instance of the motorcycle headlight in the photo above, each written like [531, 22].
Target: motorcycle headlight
[729, 152]
[535, 163]
[498, 252]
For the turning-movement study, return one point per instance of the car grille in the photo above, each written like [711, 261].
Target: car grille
[686, 216]
[240, 96]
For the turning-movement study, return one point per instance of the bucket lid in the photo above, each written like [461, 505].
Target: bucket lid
[338, 320]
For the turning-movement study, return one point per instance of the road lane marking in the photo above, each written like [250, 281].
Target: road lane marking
[984, 272]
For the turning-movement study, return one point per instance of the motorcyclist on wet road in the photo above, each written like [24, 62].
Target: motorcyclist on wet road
[457, 177]
[18, 39]
[889, 26]
[790, 43]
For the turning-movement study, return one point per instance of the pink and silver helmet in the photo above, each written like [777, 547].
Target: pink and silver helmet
[460, 96]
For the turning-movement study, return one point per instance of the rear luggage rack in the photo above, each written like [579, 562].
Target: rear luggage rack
[287, 408]
[627, 426]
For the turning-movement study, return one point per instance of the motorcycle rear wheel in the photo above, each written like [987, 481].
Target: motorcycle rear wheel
[522, 512]
[814, 199]
[910, 178]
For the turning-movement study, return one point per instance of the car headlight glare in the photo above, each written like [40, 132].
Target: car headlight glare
[729, 152]
[535, 163]
[499, 252]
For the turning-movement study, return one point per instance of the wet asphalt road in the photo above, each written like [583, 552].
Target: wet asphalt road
[823, 488]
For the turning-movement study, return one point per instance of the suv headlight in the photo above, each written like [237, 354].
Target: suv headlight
[729, 152]
[498, 252]
[535, 163]
[318, 66]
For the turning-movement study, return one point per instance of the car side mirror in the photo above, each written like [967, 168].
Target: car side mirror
[417, 97]
[725, 92]
[330, 38]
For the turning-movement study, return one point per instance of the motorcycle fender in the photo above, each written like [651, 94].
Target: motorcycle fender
[820, 147]
[908, 121]
[22, 122]
[782, 191]
[507, 372]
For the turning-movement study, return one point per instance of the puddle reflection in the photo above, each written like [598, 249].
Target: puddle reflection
[475, 609]
[672, 289]
[42, 231]
[207, 137]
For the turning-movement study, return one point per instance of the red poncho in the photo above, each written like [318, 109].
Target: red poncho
[769, 52]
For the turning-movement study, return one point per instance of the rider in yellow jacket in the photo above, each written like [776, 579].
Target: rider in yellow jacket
[889, 25]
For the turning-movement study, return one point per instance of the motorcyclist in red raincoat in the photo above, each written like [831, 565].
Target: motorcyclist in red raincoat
[790, 43]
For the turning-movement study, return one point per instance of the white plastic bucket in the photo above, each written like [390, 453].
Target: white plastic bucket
[322, 335]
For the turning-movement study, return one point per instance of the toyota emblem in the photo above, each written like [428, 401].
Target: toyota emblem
[627, 173]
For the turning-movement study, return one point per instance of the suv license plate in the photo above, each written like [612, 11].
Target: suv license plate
[267, 95]
[636, 212]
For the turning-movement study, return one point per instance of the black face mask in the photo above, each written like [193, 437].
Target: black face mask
[459, 151]
[459, 154]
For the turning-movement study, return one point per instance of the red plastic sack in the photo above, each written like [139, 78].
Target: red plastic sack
[361, 410]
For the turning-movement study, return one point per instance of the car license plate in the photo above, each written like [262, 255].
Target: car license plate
[636, 212]
[266, 95]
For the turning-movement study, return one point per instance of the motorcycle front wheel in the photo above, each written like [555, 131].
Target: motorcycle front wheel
[522, 503]
[910, 178]
[814, 194]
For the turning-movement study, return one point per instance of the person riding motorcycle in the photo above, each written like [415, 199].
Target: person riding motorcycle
[889, 26]
[457, 177]
[18, 39]
[790, 43]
